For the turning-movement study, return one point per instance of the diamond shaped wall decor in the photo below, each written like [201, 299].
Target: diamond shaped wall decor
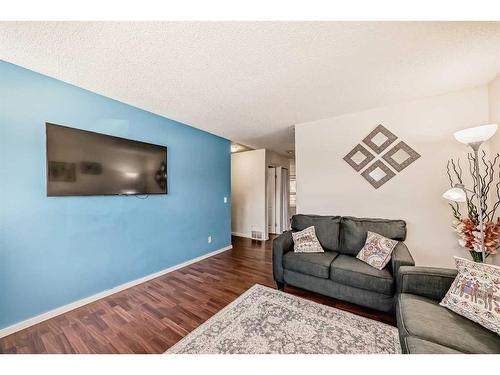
[358, 158]
[379, 139]
[378, 173]
[401, 156]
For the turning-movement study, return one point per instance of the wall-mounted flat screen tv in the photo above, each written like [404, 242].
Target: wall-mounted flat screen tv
[81, 162]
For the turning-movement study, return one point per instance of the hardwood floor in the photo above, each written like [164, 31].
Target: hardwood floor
[151, 317]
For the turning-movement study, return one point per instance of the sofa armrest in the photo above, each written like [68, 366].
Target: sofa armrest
[281, 245]
[400, 257]
[427, 282]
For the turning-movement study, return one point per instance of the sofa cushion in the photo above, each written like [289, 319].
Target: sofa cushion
[327, 229]
[474, 293]
[377, 250]
[306, 241]
[415, 345]
[330, 288]
[314, 264]
[351, 271]
[353, 232]
[424, 318]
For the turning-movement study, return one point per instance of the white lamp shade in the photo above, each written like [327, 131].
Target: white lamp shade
[476, 134]
[455, 195]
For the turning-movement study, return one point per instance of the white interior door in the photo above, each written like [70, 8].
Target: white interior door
[285, 199]
[271, 200]
[279, 201]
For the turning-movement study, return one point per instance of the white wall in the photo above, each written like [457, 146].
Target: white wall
[326, 184]
[277, 160]
[494, 109]
[248, 190]
[249, 193]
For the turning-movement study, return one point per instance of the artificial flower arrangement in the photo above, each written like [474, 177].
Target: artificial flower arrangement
[467, 226]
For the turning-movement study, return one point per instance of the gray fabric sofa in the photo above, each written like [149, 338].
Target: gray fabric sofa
[337, 272]
[425, 327]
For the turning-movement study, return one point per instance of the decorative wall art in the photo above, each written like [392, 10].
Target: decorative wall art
[359, 158]
[376, 160]
[400, 156]
[378, 174]
[379, 139]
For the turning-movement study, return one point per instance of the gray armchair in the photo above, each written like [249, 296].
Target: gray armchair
[425, 327]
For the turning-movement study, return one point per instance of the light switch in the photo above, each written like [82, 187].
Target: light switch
[225, 199]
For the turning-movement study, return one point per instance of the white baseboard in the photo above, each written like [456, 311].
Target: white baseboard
[247, 236]
[74, 305]
[240, 235]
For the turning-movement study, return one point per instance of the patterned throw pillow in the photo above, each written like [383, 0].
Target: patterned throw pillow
[306, 241]
[377, 250]
[475, 293]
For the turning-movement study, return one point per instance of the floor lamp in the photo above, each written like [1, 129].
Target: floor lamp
[473, 137]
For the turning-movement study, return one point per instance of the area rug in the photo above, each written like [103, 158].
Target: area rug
[264, 320]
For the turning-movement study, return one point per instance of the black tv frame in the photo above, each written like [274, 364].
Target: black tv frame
[105, 135]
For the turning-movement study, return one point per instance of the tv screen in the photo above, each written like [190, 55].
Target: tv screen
[81, 162]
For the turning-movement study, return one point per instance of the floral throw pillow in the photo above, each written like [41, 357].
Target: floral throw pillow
[377, 250]
[475, 293]
[306, 241]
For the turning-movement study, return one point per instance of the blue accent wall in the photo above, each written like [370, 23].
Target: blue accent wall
[57, 250]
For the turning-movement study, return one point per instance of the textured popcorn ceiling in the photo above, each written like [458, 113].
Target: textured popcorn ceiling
[251, 82]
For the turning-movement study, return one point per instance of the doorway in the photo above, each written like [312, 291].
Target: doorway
[278, 191]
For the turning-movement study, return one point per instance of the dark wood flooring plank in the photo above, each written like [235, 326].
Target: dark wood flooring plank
[151, 317]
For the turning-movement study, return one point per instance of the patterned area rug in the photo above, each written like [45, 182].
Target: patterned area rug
[265, 320]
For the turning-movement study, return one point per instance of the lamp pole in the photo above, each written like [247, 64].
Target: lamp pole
[475, 146]
[474, 137]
